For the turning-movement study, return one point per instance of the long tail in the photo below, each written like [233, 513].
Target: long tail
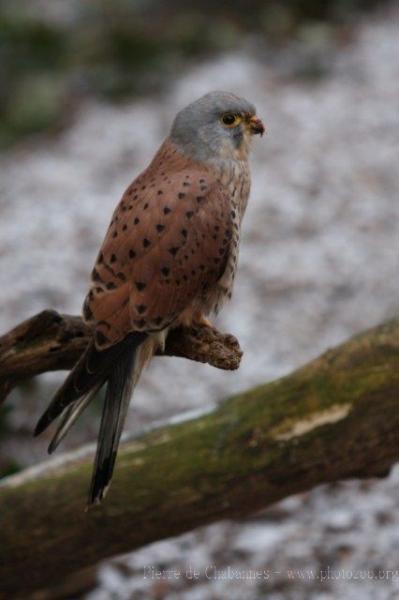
[117, 397]
[120, 367]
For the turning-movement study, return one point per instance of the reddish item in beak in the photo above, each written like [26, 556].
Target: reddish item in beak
[256, 125]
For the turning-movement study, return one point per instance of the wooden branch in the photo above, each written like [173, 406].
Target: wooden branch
[50, 342]
[335, 418]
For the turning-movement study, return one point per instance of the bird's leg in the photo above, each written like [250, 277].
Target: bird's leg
[201, 320]
[192, 317]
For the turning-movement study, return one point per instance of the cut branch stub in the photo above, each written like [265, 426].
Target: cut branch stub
[49, 341]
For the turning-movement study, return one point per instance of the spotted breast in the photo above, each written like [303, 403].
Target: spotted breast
[171, 248]
[234, 176]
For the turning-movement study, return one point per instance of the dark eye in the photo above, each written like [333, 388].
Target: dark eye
[229, 119]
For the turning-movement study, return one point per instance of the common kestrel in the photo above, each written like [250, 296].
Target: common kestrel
[169, 257]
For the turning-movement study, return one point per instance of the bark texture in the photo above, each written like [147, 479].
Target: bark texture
[334, 418]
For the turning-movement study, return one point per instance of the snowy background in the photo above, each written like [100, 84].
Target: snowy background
[319, 262]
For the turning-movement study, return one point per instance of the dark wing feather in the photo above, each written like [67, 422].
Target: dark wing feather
[91, 371]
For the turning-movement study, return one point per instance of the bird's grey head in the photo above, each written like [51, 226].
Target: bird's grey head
[218, 125]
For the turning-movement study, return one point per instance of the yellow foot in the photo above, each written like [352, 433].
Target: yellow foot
[202, 320]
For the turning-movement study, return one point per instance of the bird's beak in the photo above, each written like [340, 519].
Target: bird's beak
[256, 125]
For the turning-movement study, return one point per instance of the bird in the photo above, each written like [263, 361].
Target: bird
[168, 259]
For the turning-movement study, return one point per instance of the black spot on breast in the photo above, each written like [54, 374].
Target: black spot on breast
[160, 192]
[186, 183]
[158, 320]
[140, 285]
[132, 254]
[181, 195]
[166, 210]
[189, 214]
[203, 188]
[113, 258]
[95, 275]
[136, 221]
[110, 285]
[145, 206]
[146, 242]
[200, 199]
[159, 227]
[124, 227]
[141, 308]
[101, 339]
[100, 258]
[87, 313]
[165, 271]
[184, 233]
[174, 250]
[115, 234]
[121, 276]
[233, 214]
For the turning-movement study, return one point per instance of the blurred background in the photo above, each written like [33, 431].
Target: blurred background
[88, 91]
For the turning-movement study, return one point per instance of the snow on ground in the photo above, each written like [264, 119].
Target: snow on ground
[319, 262]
